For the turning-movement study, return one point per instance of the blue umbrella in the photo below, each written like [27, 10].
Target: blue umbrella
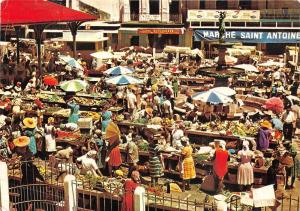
[123, 80]
[211, 97]
[119, 70]
[277, 123]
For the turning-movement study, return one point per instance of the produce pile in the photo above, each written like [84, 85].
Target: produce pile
[88, 101]
[50, 98]
[89, 114]
[230, 128]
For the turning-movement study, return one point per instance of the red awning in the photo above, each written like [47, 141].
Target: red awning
[29, 12]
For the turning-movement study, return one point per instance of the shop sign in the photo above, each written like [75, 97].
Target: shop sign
[149, 17]
[160, 31]
[231, 15]
[248, 36]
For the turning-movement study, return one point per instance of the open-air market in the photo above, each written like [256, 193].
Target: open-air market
[138, 105]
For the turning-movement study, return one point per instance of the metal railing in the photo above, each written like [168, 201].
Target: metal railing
[99, 194]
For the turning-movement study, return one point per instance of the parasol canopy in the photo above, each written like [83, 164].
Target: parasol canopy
[71, 62]
[102, 55]
[211, 97]
[247, 67]
[274, 104]
[112, 131]
[123, 80]
[229, 60]
[271, 63]
[224, 91]
[73, 85]
[50, 80]
[119, 70]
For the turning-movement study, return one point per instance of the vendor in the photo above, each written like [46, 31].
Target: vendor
[288, 118]
[245, 176]
[50, 133]
[88, 163]
[264, 135]
[177, 134]
[129, 187]
[112, 135]
[106, 119]
[220, 168]
[29, 130]
[188, 165]
[74, 115]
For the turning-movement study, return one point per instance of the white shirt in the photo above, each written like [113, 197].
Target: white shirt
[89, 165]
[177, 135]
[276, 75]
[289, 117]
[131, 100]
[167, 107]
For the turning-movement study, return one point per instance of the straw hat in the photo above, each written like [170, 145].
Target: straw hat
[21, 141]
[149, 110]
[50, 120]
[29, 122]
[266, 124]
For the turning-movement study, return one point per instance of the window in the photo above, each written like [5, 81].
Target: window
[154, 7]
[174, 7]
[134, 40]
[134, 7]
[221, 4]
[202, 4]
[245, 4]
[82, 46]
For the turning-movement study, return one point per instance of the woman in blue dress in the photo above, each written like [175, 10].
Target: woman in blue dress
[106, 119]
[29, 131]
[74, 116]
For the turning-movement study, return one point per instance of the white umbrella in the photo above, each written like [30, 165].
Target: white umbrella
[119, 70]
[247, 67]
[211, 97]
[102, 55]
[123, 80]
[271, 63]
[224, 91]
[229, 60]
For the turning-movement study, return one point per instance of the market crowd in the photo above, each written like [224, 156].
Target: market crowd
[29, 135]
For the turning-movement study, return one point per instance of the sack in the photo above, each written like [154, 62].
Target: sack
[208, 183]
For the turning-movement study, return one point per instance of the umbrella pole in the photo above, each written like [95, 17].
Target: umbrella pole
[73, 28]
[18, 34]
[38, 30]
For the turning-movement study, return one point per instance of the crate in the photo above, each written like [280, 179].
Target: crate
[85, 123]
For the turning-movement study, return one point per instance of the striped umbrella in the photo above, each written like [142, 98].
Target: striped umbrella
[71, 62]
[73, 85]
[211, 97]
[224, 91]
[123, 80]
[119, 70]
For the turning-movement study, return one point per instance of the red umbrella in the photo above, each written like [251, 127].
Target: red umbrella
[50, 80]
[274, 104]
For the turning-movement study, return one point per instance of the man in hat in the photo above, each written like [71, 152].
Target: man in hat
[89, 164]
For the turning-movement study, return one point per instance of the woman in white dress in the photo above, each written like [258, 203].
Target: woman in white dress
[50, 131]
[245, 176]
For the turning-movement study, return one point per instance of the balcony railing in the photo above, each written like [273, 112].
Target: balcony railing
[289, 14]
[162, 17]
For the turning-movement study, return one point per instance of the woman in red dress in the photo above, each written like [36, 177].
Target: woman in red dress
[129, 187]
[220, 168]
[112, 134]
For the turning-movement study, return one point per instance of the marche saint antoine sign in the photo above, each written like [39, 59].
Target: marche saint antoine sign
[248, 36]
[160, 31]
